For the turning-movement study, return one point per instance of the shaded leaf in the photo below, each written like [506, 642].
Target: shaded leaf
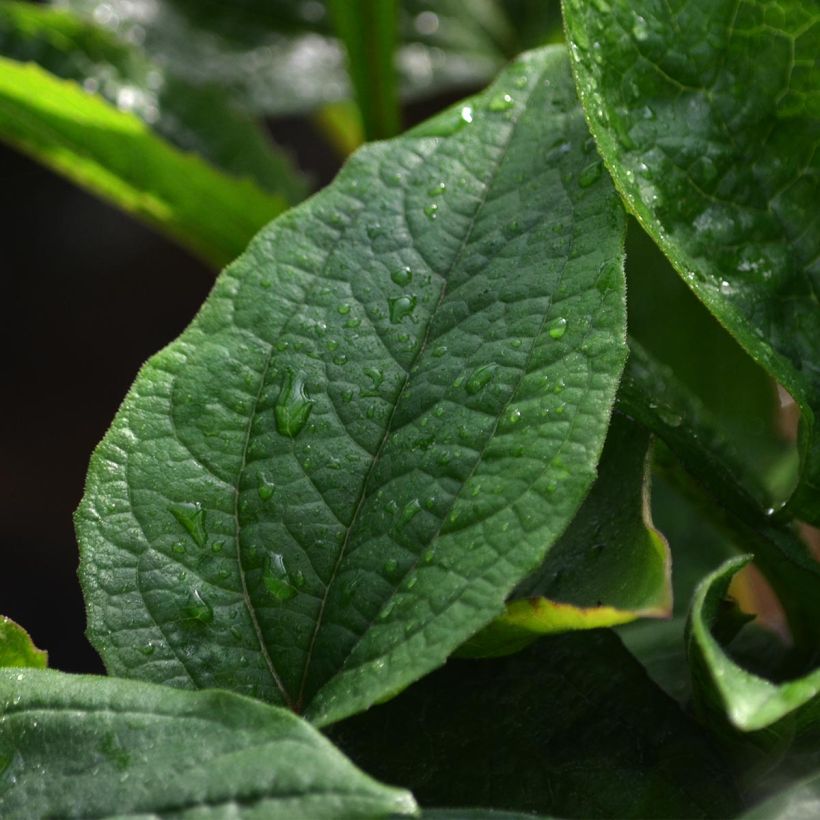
[708, 119]
[797, 801]
[346, 463]
[570, 726]
[73, 746]
[115, 155]
[17, 648]
[610, 567]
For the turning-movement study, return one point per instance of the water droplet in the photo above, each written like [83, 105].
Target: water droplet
[558, 327]
[479, 378]
[431, 210]
[198, 610]
[276, 579]
[726, 287]
[590, 174]
[409, 512]
[293, 406]
[402, 276]
[343, 309]
[428, 555]
[217, 546]
[178, 549]
[265, 489]
[148, 649]
[501, 102]
[192, 517]
[438, 189]
[391, 565]
[514, 415]
[466, 114]
[400, 307]
[439, 351]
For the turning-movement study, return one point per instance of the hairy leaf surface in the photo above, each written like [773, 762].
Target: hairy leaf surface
[195, 119]
[73, 746]
[610, 567]
[17, 648]
[116, 155]
[571, 726]
[708, 117]
[343, 467]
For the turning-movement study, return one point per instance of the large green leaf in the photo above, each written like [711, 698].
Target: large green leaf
[750, 702]
[571, 726]
[343, 467]
[195, 119]
[17, 648]
[610, 567]
[74, 746]
[282, 57]
[708, 117]
[115, 154]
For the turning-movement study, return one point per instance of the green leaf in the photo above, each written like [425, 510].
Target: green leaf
[610, 567]
[114, 154]
[282, 57]
[368, 30]
[571, 726]
[798, 801]
[750, 702]
[74, 746]
[708, 118]
[17, 648]
[651, 394]
[342, 468]
[201, 120]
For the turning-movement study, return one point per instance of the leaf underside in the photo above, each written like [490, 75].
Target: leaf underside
[341, 469]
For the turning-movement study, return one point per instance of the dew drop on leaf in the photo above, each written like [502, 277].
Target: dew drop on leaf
[558, 327]
[479, 378]
[293, 406]
[401, 306]
[402, 276]
[197, 610]
[590, 174]
[276, 579]
[192, 517]
[501, 102]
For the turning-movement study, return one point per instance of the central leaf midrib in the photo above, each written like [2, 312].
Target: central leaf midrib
[389, 426]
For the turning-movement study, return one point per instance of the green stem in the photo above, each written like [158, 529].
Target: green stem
[368, 30]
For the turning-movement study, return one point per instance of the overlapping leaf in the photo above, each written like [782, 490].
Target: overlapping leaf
[201, 120]
[17, 648]
[75, 746]
[610, 567]
[571, 726]
[114, 154]
[707, 116]
[342, 468]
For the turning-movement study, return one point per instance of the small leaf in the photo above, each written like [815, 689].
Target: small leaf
[374, 511]
[73, 746]
[571, 726]
[707, 117]
[17, 648]
[610, 567]
[750, 702]
[115, 155]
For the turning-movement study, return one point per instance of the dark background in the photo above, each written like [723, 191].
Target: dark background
[89, 294]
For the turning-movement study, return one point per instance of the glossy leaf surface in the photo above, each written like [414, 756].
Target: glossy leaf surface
[343, 467]
[610, 567]
[750, 702]
[74, 746]
[708, 118]
[17, 648]
[115, 155]
[194, 119]
[571, 727]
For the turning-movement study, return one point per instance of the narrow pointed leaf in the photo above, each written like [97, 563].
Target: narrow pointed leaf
[708, 118]
[610, 567]
[73, 746]
[343, 467]
[200, 120]
[17, 648]
[750, 702]
[115, 155]
[571, 727]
